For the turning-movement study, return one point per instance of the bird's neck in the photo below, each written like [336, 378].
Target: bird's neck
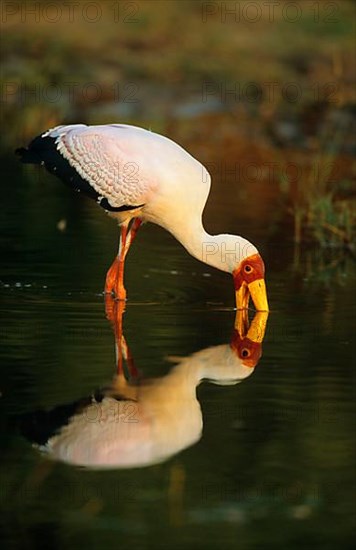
[223, 251]
[219, 364]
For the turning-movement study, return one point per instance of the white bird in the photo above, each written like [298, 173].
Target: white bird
[138, 176]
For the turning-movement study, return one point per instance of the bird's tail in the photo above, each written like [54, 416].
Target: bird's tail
[28, 155]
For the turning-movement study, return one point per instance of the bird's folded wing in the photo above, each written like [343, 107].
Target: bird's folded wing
[103, 160]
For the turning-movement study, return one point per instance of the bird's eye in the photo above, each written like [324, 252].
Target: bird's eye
[248, 269]
[245, 352]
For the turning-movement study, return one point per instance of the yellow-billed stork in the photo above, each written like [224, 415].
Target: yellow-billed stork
[137, 175]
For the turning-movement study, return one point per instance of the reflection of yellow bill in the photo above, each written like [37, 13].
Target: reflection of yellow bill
[257, 329]
[257, 290]
[241, 322]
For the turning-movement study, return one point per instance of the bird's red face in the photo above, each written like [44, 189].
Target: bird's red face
[248, 351]
[249, 281]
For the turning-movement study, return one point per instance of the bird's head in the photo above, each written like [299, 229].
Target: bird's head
[249, 280]
[241, 258]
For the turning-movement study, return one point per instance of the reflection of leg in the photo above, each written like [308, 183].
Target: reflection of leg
[176, 490]
[126, 354]
[115, 275]
[114, 312]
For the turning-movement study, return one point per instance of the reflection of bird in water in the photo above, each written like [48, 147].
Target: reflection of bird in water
[137, 176]
[142, 422]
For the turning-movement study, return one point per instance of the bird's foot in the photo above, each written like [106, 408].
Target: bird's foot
[114, 310]
[120, 294]
[114, 280]
[112, 276]
[116, 295]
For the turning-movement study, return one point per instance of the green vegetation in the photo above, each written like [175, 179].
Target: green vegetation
[323, 204]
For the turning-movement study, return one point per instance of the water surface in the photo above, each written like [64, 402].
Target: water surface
[273, 467]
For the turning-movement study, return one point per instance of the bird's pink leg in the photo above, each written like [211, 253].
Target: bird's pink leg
[137, 222]
[115, 276]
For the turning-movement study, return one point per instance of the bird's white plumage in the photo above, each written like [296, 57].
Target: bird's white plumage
[165, 417]
[122, 163]
[129, 165]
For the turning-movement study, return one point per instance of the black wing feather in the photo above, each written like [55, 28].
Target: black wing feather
[43, 150]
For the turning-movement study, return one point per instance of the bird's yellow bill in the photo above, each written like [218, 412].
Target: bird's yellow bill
[257, 291]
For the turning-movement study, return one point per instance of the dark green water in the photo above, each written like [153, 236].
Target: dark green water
[274, 465]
